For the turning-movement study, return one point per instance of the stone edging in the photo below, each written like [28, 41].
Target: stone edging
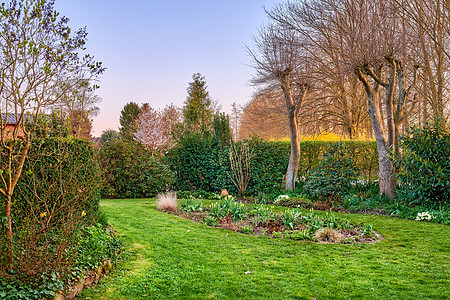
[91, 277]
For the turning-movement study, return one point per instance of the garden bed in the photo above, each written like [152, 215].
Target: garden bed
[263, 220]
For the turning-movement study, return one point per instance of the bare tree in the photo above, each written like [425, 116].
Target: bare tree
[373, 40]
[265, 116]
[280, 60]
[78, 105]
[430, 23]
[338, 98]
[37, 50]
[235, 119]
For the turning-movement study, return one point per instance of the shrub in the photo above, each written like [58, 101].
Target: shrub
[167, 201]
[333, 176]
[132, 172]
[425, 165]
[57, 196]
[200, 163]
[59, 173]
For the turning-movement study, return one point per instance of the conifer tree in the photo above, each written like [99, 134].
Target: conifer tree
[128, 117]
[197, 110]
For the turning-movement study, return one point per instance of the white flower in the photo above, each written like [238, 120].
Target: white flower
[280, 198]
[424, 216]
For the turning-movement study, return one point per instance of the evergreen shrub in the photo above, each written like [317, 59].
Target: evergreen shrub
[56, 197]
[333, 176]
[58, 171]
[425, 165]
[200, 163]
[130, 171]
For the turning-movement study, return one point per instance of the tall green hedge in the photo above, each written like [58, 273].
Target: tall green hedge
[58, 172]
[199, 163]
[130, 171]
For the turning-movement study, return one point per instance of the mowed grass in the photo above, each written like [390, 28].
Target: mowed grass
[172, 258]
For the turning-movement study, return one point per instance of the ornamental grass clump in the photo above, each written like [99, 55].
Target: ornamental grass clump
[328, 235]
[167, 201]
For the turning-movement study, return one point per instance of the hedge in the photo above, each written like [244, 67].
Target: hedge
[199, 163]
[58, 171]
[130, 171]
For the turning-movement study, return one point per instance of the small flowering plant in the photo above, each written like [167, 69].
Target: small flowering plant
[281, 198]
[424, 216]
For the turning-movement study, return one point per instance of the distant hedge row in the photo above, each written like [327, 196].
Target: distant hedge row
[199, 162]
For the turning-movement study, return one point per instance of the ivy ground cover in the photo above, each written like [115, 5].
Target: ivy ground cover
[173, 258]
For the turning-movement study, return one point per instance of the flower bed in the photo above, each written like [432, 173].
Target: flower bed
[263, 220]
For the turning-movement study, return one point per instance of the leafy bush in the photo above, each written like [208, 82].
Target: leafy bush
[132, 172]
[59, 172]
[57, 195]
[425, 165]
[333, 176]
[200, 163]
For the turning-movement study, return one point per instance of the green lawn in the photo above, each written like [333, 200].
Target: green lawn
[173, 258]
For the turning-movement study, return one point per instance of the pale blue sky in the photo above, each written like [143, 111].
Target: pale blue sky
[152, 48]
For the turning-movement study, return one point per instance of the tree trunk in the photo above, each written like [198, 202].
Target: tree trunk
[9, 237]
[387, 177]
[293, 111]
[294, 159]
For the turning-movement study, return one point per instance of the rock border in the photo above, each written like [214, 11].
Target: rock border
[91, 278]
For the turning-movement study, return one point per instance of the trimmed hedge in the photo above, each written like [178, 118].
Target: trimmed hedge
[58, 171]
[271, 158]
[199, 163]
[130, 171]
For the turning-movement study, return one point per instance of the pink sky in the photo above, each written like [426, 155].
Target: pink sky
[152, 48]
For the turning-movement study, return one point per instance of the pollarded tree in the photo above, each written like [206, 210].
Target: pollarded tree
[374, 42]
[338, 98]
[281, 62]
[198, 111]
[38, 49]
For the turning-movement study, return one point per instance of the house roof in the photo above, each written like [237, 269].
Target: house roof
[10, 118]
